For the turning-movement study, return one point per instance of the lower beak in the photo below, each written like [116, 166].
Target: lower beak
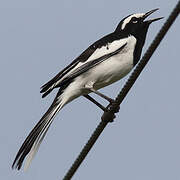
[148, 14]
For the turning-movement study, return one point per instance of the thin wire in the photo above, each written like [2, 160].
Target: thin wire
[110, 115]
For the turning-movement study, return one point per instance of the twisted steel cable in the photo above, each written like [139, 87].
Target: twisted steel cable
[110, 115]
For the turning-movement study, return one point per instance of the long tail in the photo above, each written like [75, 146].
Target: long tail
[35, 137]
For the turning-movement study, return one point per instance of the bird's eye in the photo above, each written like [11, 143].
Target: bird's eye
[134, 20]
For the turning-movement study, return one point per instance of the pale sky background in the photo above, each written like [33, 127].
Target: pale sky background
[39, 38]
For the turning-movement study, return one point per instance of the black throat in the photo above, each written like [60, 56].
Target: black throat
[141, 37]
[137, 51]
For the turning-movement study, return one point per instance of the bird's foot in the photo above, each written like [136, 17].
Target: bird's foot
[110, 110]
[113, 105]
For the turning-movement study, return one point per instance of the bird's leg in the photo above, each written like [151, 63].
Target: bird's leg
[111, 116]
[112, 101]
[102, 95]
[95, 102]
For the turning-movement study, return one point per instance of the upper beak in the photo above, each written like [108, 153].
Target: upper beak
[148, 14]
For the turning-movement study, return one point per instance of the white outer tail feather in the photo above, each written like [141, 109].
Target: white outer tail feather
[41, 135]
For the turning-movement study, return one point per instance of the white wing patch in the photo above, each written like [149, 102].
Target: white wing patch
[109, 48]
[128, 19]
[99, 52]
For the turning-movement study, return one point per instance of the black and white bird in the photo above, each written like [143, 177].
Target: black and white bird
[101, 64]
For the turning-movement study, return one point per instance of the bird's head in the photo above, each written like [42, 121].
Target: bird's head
[135, 24]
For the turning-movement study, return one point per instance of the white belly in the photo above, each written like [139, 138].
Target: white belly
[111, 70]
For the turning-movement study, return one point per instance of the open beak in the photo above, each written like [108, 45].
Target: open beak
[148, 14]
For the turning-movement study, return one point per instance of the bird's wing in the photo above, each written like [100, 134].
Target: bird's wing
[48, 87]
[91, 56]
[90, 64]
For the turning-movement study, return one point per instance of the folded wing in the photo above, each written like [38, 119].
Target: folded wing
[86, 66]
[93, 55]
[49, 86]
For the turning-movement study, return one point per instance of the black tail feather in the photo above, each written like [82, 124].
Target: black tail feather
[33, 135]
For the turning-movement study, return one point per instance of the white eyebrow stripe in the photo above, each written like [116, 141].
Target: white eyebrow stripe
[127, 20]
